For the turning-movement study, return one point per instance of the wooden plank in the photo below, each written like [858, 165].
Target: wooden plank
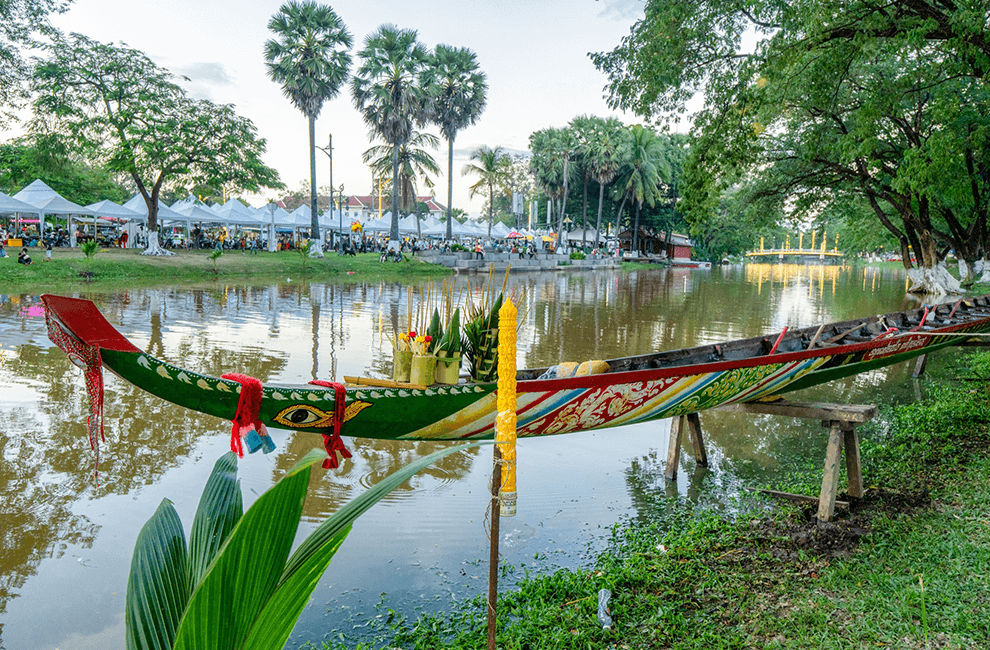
[382, 383]
[694, 427]
[854, 469]
[811, 410]
[674, 447]
[796, 498]
[830, 479]
[919, 366]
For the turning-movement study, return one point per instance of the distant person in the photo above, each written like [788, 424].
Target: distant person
[23, 257]
[3, 253]
[479, 251]
[48, 251]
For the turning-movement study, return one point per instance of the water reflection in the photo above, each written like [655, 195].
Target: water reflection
[67, 541]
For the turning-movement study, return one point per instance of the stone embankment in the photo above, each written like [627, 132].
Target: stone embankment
[469, 262]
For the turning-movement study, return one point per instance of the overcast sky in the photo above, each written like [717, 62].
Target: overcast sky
[534, 52]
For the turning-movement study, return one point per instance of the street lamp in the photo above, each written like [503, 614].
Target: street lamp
[271, 207]
[340, 210]
[329, 152]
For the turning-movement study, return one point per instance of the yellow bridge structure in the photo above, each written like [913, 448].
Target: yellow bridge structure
[816, 251]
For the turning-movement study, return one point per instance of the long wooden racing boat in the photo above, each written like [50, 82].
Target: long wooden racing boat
[632, 389]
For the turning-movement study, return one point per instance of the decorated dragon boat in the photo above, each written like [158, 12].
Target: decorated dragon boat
[562, 399]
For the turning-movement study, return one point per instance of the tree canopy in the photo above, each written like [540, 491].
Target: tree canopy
[20, 20]
[49, 159]
[127, 113]
[813, 104]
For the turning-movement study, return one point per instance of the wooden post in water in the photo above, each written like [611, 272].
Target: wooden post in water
[504, 471]
[493, 549]
[677, 425]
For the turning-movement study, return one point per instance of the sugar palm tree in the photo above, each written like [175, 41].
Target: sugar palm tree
[459, 93]
[414, 162]
[387, 90]
[492, 167]
[310, 57]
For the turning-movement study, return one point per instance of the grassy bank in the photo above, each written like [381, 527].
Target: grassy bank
[117, 268]
[908, 568]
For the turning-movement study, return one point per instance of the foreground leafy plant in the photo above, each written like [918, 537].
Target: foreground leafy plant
[90, 248]
[235, 586]
[214, 256]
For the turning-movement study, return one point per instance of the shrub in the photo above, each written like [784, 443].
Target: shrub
[577, 255]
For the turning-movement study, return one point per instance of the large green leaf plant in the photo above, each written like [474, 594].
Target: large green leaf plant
[235, 585]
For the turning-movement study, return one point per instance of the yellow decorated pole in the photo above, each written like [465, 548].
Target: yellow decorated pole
[504, 470]
[505, 422]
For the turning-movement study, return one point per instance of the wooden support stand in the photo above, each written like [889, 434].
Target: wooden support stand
[840, 419]
[692, 422]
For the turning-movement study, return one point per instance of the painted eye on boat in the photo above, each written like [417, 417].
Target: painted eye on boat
[303, 415]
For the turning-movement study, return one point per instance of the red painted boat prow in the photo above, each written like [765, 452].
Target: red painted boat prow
[83, 320]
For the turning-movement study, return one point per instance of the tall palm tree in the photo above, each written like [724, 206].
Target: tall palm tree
[459, 92]
[544, 166]
[310, 57]
[414, 162]
[645, 166]
[586, 129]
[492, 167]
[604, 154]
[387, 90]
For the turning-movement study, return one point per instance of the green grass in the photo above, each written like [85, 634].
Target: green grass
[117, 268]
[909, 568]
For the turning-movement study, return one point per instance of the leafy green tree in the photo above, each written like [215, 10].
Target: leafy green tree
[387, 90]
[48, 158]
[309, 57]
[414, 162]
[20, 20]
[458, 90]
[885, 102]
[125, 113]
[491, 167]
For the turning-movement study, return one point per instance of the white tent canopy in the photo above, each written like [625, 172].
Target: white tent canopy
[10, 205]
[111, 209]
[49, 201]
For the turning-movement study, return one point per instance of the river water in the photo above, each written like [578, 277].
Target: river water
[67, 539]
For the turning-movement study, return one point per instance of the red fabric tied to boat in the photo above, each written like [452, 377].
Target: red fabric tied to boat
[88, 358]
[248, 408]
[332, 441]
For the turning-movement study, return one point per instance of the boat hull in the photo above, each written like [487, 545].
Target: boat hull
[545, 406]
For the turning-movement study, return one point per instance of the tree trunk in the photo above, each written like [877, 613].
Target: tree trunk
[491, 208]
[598, 224]
[450, 185]
[314, 224]
[154, 248]
[635, 237]
[393, 233]
[584, 216]
[563, 203]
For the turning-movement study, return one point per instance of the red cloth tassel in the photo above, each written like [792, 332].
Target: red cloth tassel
[332, 441]
[248, 408]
